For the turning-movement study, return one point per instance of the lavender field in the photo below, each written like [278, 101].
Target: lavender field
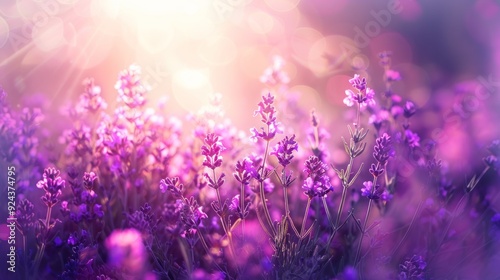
[240, 139]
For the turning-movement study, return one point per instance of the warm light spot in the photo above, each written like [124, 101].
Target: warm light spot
[191, 88]
[282, 5]
[218, 50]
[302, 40]
[308, 97]
[50, 35]
[154, 37]
[4, 32]
[260, 22]
[330, 53]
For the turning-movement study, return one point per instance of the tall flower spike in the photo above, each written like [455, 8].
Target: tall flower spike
[284, 150]
[317, 182]
[211, 150]
[364, 95]
[243, 172]
[382, 149]
[52, 184]
[130, 89]
[268, 114]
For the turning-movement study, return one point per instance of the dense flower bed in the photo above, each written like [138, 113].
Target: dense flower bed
[140, 194]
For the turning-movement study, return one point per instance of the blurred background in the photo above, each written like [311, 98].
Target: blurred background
[193, 48]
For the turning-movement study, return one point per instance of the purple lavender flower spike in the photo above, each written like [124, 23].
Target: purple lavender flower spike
[243, 172]
[211, 150]
[284, 150]
[268, 114]
[172, 185]
[317, 182]
[130, 89]
[382, 149]
[52, 184]
[364, 95]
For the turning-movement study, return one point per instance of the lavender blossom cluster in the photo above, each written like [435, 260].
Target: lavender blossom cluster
[133, 193]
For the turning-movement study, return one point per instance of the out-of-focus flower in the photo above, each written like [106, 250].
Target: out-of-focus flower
[494, 148]
[409, 109]
[284, 150]
[385, 58]
[52, 184]
[412, 138]
[378, 118]
[391, 75]
[89, 180]
[130, 89]
[413, 268]
[91, 98]
[368, 191]
[127, 253]
[317, 182]
[274, 75]
[25, 213]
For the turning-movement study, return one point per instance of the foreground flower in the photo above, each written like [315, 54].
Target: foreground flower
[284, 150]
[52, 184]
[317, 182]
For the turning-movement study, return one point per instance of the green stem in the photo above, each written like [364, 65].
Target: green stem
[374, 184]
[304, 220]
[262, 194]
[41, 251]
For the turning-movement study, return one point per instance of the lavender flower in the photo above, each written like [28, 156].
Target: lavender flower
[382, 149]
[191, 213]
[275, 75]
[173, 185]
[317, 182]
[412, 138]
[89, 180]
[363, 97]
[284, 150]
[91, 99]
[211, 150]
[52, 184]
[409, 109]
[267, 113]
[243, 172]
[392, 76]
[413, 268]
[375, 194]
[385, 58]
[25, 214]
[130, 89]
